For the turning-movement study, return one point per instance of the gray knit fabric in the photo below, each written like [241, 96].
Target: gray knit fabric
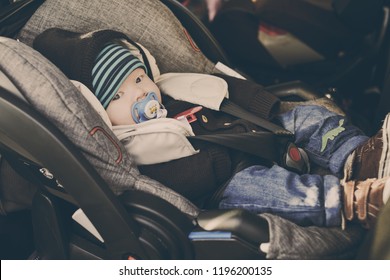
[49, 91]
[292, 242]
[148, 22]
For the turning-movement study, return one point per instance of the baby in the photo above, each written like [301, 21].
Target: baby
[110, 65]
[124, 89]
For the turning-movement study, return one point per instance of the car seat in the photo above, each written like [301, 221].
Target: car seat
[50, 135]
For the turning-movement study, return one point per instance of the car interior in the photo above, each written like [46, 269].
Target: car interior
[74, 203]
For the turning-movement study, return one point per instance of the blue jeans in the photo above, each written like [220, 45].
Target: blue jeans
[308, 199]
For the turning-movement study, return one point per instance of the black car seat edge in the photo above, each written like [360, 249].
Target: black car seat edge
[92, 194]
[15, 15]
[199, 32]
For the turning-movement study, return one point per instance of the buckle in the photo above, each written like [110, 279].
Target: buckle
[189, 114]
[296, 160]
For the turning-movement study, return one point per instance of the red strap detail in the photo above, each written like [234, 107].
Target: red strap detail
[294, 154]
[98, 128]
[192, 43]
[189, 114]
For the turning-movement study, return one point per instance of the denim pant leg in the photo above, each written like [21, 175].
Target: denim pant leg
[327, 138]
[303, 199]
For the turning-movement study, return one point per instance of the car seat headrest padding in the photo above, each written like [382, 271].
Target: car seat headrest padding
[151, 24]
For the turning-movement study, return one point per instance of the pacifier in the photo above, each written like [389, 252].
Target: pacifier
[148, 108]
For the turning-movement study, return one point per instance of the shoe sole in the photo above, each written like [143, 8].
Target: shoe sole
[384, 163]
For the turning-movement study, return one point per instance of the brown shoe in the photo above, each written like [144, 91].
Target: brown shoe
[363, 200]
[371, 159]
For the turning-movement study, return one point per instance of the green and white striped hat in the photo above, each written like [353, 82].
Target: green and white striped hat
[112, 66]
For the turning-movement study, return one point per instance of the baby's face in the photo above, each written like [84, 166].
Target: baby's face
[133, 89]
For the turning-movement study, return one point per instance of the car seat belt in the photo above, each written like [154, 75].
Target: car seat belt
[290, 156]
[262, 144]
[276, 144]
[233, 109]
[265, 145]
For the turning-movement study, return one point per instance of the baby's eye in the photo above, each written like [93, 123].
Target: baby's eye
[139, 79]
[116, 97]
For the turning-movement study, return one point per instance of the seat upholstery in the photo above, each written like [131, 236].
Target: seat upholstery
[162, 34]
[48, 90]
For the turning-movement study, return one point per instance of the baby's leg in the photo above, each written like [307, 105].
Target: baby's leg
[327, 138]
[303, 199]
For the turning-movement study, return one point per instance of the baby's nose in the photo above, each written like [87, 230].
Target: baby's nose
[141, 94]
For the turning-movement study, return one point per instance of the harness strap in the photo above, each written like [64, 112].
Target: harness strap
[233, 109]
[262, 144]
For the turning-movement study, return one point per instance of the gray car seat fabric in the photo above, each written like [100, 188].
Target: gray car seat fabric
[290, 241]
[52, 94]
[48, 90]
[148, 22]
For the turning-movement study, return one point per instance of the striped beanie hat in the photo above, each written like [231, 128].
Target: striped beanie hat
[97, 59]
[112, 66]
